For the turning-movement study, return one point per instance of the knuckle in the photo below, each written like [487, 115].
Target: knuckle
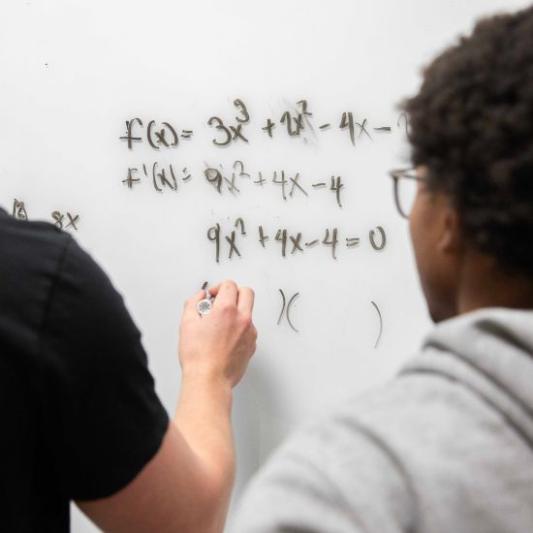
[247, 289]
[228, 308]
[245, 321]
[229, 284]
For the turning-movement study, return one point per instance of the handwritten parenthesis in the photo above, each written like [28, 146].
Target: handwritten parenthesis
[291, 301]
[150, 140]
[283, 306]
[173, 131]
[380, 324]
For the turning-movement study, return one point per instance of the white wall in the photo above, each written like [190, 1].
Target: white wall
[72, 72]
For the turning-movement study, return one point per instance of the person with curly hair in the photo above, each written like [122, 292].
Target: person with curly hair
[447, 446]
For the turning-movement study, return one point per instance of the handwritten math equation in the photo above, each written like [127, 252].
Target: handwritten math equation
[298, 121]
[232, 180]
[236, 125]
[61, 219]
[227, 243]
[288, 243]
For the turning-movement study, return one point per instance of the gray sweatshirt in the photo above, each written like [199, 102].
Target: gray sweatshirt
[446, 447]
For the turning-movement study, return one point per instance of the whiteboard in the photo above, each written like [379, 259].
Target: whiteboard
[73, 73]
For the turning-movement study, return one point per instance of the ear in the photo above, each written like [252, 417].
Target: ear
[450, 239]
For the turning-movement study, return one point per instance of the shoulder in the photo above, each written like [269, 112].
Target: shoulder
[340, 473]
[364, 466]
[39, 262]
[30, 258]
[25, 244]
[62, 298]
[47, 272]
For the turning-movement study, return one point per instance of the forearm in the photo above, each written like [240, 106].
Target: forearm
[214, 351]
[203, 416]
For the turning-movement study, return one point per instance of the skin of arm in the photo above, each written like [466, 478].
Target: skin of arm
[186, 487]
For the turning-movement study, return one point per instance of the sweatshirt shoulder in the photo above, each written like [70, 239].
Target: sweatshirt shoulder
[376, 463]
[339, 473]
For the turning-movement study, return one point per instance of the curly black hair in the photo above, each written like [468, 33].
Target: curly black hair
[471, 125]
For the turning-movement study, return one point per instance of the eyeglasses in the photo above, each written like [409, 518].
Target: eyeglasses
[405, 187]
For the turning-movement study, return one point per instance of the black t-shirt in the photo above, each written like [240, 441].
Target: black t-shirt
[79, 414]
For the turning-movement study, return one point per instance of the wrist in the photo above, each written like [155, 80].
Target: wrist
[204, 398]
[205, 378]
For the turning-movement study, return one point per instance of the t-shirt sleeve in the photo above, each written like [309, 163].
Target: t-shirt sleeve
[329, 478]
[101, 413]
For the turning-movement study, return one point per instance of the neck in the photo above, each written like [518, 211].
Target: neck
[483, 284]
